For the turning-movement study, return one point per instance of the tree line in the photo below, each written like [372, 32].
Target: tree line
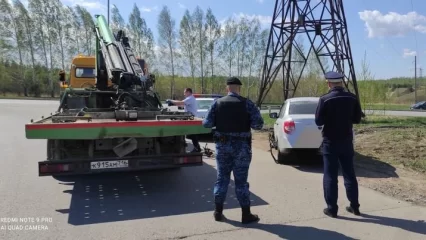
[195, 51]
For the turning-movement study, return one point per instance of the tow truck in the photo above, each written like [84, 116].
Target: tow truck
[117, 124]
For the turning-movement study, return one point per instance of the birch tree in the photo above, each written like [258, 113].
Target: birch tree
[87, 23]
[243, 30]
[27, 32]
[198, 26]
[212, 36]
[228, 41]
[117, 21]
[187, 44]
[254, 50]
[137, 27]
[167, 41]
[13, 30]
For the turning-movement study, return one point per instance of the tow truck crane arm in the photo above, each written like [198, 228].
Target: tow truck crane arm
[116, 61]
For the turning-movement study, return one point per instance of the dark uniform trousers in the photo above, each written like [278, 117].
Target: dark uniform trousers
[233, 155]
[337, 111]
[335, 152]
[233, 148]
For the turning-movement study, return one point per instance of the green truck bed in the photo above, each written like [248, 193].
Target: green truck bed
[110, 128]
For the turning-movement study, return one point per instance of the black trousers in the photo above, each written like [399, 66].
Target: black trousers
[335, 152]
[195, 142]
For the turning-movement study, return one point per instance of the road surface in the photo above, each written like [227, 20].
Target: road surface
[54, 105]
[176, 204]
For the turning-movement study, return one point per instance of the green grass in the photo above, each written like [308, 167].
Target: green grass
[387, 106]
[268, 122]
[369, 106]
[16, 96]
[371, 120]
[392, 121]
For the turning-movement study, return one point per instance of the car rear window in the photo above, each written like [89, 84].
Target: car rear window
[305, 107]
[204, 104]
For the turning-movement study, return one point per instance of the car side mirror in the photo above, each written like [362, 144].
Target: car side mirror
[273, 115]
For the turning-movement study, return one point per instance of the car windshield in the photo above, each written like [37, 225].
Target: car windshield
[204, 103]
[303, 107]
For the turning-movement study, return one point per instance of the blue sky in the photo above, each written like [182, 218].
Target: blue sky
[391, 33]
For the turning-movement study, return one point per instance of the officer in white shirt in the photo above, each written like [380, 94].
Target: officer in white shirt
[190, 105]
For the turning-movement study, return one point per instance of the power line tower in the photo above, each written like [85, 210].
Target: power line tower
[323, 22]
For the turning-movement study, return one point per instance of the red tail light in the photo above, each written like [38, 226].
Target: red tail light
[289, 126]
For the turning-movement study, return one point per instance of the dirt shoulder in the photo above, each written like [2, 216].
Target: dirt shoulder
[391, 160]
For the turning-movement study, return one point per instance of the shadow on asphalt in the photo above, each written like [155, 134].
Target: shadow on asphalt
[365, 166]
[114, 197]
[404, 224]
[293, 232]
[205, 139]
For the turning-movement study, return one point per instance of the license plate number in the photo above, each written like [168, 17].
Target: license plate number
[109, 164]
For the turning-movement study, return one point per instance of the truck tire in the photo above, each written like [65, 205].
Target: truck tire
[49, 149]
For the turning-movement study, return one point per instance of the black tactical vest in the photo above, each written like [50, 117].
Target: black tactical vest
[232, 115]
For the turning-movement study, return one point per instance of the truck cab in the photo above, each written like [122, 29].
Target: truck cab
[83, 72]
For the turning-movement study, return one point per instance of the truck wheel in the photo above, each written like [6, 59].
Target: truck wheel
[49, 149]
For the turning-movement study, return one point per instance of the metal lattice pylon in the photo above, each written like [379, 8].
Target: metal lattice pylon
[323, 22]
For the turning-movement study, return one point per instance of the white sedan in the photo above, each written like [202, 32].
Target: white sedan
[204, 105]
[204, 102]
[295, 127]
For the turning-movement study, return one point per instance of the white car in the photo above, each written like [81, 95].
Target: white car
[295, 127]
[203, 106]
[204, 102]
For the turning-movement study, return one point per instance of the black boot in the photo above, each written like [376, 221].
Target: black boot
[329, 212]
[354, 210]
[218, 215]
[248, 217]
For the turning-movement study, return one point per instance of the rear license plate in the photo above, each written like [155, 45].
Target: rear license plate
[109, 164]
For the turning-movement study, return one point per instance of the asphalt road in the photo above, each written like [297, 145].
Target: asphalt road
[176, 204]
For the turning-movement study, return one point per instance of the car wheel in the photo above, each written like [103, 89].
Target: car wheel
[273, 145]
[281, 157]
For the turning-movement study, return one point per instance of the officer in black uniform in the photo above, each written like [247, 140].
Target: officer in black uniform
[337, 111]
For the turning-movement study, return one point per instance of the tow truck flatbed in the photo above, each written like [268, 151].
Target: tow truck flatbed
[110, 128]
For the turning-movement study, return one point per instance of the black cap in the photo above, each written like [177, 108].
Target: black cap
[233, 81]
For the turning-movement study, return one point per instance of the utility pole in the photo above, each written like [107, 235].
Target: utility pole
[415, 79]
[108, 12]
